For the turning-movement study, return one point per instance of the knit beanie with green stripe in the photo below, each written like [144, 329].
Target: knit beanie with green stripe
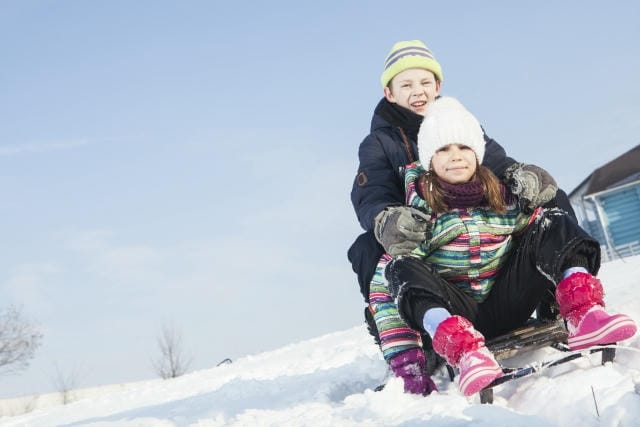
[409, 54]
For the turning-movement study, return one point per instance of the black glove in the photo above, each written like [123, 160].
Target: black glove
[531, 184]
[401, 229]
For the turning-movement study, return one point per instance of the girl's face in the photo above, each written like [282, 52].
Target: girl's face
[413, 89]
[454, 163]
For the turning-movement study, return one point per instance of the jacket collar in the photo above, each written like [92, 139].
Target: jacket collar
[389, 114]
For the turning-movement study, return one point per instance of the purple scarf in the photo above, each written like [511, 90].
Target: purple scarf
[462, 196]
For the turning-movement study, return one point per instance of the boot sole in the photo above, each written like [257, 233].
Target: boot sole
[618, 330]
[478, 379]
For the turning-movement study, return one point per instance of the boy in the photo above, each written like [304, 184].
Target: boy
[412, 77]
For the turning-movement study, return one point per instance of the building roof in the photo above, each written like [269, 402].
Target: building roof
[616, 172]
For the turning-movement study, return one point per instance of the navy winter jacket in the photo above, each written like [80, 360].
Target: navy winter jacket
[386, 150]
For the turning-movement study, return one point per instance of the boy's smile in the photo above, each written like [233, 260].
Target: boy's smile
[419, 106]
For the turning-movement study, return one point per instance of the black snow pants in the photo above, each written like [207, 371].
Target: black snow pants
[553, 243]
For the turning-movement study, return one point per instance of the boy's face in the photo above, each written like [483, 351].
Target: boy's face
[413, 89]
[454, 163]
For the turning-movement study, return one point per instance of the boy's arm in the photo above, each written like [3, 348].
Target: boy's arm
[533, 185]
[495, 157]
[377, 185]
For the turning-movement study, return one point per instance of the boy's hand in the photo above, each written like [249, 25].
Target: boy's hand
[401, 229]
[531, 184]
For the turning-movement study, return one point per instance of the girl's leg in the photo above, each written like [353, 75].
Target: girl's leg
[416, 289]
[555, 249]
[548, 247]
[395, 336]
[581, 300]
[427, 303]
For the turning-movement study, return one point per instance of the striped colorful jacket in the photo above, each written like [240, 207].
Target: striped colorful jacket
[467, 248]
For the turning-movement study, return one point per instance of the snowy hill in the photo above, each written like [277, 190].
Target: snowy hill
[329, 381]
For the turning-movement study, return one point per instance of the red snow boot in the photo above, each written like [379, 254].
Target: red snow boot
[580, 297]
[462, 346]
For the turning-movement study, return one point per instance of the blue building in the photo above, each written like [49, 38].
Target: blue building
[607, 204]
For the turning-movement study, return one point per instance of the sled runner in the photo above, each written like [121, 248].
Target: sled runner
[535, 335]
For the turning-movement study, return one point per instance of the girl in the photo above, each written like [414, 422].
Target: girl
[484, 266]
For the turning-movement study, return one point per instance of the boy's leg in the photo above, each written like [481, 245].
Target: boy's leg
[363, 255]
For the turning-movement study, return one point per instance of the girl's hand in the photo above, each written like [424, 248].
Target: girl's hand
[410, 366]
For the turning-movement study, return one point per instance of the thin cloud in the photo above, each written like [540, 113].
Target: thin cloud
[47, 147]
[28, 283]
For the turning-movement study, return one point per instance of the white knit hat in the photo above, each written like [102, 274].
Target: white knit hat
[446, 121]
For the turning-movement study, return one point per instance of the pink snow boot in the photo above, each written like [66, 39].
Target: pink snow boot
[462, 346]
[580, 297]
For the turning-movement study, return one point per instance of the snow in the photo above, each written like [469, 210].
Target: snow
[329, 381]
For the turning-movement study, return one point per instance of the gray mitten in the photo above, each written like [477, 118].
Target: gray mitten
[401, 229]
[531, 184]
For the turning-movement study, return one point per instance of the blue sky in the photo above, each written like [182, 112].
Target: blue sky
[191, 162]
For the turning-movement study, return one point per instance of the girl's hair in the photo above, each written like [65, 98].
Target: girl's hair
[433, 193]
